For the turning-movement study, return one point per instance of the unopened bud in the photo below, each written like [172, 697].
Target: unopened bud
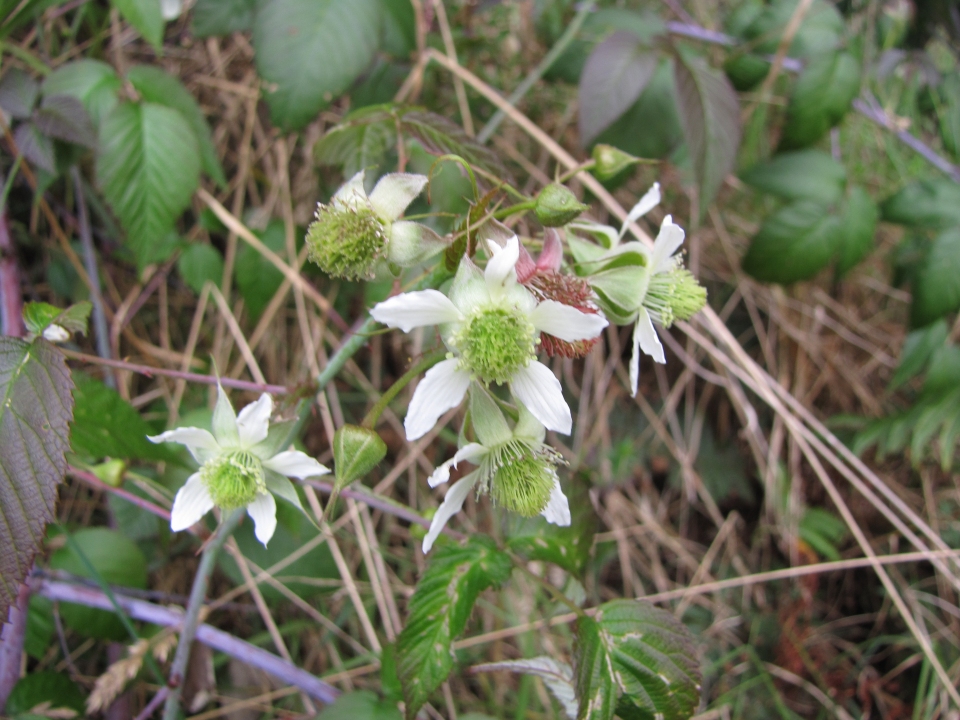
[356, 451]
[557, 206]
[611, 161]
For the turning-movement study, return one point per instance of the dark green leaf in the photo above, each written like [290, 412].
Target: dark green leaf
[92, 82]
[949, 114]
[793, 244]
[107, 426]
[635, 660]
[148, 167]
[46, 686]
[36, 408]
[617, 72]
[199, 264]
[802, 175]
[360, 705]
[145, 16]
[858, 225]
[821, 31]
[399, 28]
[40, 627]
[311, 51]
[117, 560]
[943, 374]
[257, 279]
[157, 86]
[823, 531]
[438, 613]
[440, 136]
[917, 350]
[222, 17]
[820, 99]
[36, 148]
[18, 94]
[936, 289]
[925, 204]
[357, 145]
[710, 115]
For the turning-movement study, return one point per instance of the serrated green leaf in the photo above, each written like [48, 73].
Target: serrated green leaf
[858, 221]
[199, 264]
[614, 76]
[18, 94]
[917, 350]
[148, 167]
[438, 613]
[311, 51]
[360, 705]
[36, 408]
[356, 146]
[40, 627]
[92, 82]
[943, 374]
[793, 244]
[145, 16]
[710, 116]
[936, 287]
[42, 687]
[821, 97]
[107, 426]
[557, 676]
[222, 17]
[157, 86]
[117, 560]
[636, 660]
[440, 136]
[924, 204]
[802, 175]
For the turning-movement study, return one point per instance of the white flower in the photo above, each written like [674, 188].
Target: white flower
[356, 234]
[240, 466]
[515, 466]
[492, 325]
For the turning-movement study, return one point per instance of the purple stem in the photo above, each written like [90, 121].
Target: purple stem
[216, 639]
[154, 703]
[99, 484]
[11, 645]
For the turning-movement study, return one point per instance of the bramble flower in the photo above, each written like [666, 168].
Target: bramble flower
[491, 325]
[514, 466]
[241, 465]
[357, 234]
[639, 285]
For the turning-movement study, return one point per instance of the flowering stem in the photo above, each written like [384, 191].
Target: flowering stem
[425, 364]
[191, 619]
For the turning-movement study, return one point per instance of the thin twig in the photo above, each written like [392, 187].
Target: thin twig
[154, 703]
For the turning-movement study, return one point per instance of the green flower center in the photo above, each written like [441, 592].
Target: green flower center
[496, 342]
[234, 479]
[523, 484]
[346, 242]
[674, 295]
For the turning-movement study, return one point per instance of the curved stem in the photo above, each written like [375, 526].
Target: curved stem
[191, 619]
[427, 362]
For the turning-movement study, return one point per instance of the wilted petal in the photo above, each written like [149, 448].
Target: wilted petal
[646, 335]
[668, 241]
[225, 421]
[191, 503]
[293, 463]
[552, 253]
[199, 442]
[501, 265]
[253, 422]
[449, 507]
[557, 510]
[394, 192]
[263, 510]
[415, 309]
[565, 322]
[352, 193]
[649, 201]
[442, 388]
[537, 388]
[525, 266]
[412, 243]
[467, 452]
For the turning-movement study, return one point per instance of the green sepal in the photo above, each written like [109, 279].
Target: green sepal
[282, 487]
[488, 421]
[38, 316]
[356, 451]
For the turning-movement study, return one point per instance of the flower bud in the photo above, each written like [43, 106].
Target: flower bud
[611, 161]
[356, 451]
[346, 242]
[557, 206]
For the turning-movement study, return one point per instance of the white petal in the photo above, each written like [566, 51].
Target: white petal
[253, 422]
[449, 507]
[467, 452]
[415, 309]
[351, 194]
[55, 333]
[646, 335]
[557, 510]
[649, 201]
[565, 322]
[263, 510]
[669, 239]
[394, 192]
[442, 388]
[191, 503]
[635, 359]
[468, 290]
[537, 388]
[199, 442]
[294, 463]
[170, 9]
[501, 266]
[225, 421]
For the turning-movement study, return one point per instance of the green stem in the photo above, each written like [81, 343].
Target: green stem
[191, 618]
[427, 362]
[514, 209]
[573, 171]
